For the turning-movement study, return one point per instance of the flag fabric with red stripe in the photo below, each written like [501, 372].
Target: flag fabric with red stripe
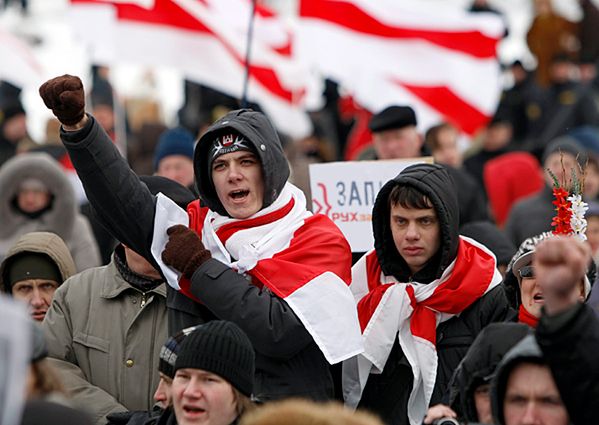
[19, 65]
[206, 40]
[302, 258]
[442, 62]
[411, 312]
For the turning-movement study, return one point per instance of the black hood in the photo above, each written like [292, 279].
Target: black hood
[434, 182]
[492, 237]
[480, 363]
[258, 130]
[525, 351]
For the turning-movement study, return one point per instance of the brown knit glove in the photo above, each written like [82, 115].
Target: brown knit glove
[65, 96]
[184, 250]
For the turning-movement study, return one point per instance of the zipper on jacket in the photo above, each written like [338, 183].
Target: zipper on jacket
[144, 299]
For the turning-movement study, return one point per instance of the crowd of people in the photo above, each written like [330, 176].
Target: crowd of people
[187, 282]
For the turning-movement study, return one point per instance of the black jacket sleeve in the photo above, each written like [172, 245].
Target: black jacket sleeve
[271, 325]
[570, 343]
[121, 201]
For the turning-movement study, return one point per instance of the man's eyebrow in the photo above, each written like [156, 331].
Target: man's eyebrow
[248, 155]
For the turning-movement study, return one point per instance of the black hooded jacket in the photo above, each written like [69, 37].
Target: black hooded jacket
[387, 394]
[478, 367]
[288, 361]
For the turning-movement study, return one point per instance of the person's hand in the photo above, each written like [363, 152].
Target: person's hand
[560, 265]
[439, 411]
[64, 95]
[184, 250]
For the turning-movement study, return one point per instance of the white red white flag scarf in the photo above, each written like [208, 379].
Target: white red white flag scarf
[412, 311]
[302, 258]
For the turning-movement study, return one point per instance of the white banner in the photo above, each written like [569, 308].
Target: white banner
[346, 191]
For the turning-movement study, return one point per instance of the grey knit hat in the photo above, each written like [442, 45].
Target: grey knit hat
[222, 348]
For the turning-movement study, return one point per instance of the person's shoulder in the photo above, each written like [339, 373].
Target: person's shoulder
[87, 280]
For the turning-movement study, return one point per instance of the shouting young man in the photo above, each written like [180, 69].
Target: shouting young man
[257, 258]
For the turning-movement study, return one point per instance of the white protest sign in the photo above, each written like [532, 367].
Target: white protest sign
[345, 191]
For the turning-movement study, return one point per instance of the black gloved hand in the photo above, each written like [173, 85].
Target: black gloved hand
[184, 250]
[65, 97]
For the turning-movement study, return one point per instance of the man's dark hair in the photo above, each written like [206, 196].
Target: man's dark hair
[409, 197]
[431, 137]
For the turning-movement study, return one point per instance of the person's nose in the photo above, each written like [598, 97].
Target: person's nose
[37, 300]
[412, 232]
[160, 394]
[235, 172]
[531, 416]
[193, 389]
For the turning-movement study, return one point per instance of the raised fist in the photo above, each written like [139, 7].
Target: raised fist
[560, 264]
[65, 97]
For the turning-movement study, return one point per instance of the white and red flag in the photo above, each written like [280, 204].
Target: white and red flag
[206, 40]
[411, 312]
[441, 61]
[301, 257]
[18, 65]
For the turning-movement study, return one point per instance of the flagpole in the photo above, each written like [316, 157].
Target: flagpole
[248, 51]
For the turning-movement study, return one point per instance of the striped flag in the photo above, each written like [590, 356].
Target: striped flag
[18, 65]
[206, 40]
[441, 62]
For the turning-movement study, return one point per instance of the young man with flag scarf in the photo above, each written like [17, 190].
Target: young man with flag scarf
[423, 295]
[257, 257]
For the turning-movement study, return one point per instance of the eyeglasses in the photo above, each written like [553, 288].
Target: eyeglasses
[526, 272]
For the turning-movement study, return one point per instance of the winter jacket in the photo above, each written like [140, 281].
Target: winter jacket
[479, 364]
[570, 342]
[43, 243]
[104, 335]
[288, 361]
[471, 197]
[62, 218]
[387, 393]
[530, 216]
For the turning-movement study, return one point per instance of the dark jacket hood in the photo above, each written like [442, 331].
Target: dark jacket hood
[526, 351]
[258, 130]
[480, 363]
[434, 182]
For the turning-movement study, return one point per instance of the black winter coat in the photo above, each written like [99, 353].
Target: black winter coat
[570, 343]
[288, 361]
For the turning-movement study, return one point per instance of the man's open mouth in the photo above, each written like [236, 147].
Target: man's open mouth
[193, 409]
[239, 194]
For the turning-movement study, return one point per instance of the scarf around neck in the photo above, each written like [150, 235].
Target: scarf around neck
[411, 311]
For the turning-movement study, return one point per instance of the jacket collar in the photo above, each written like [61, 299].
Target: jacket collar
[113, 288]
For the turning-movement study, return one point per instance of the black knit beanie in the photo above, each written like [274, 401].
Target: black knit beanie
[222, 348]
